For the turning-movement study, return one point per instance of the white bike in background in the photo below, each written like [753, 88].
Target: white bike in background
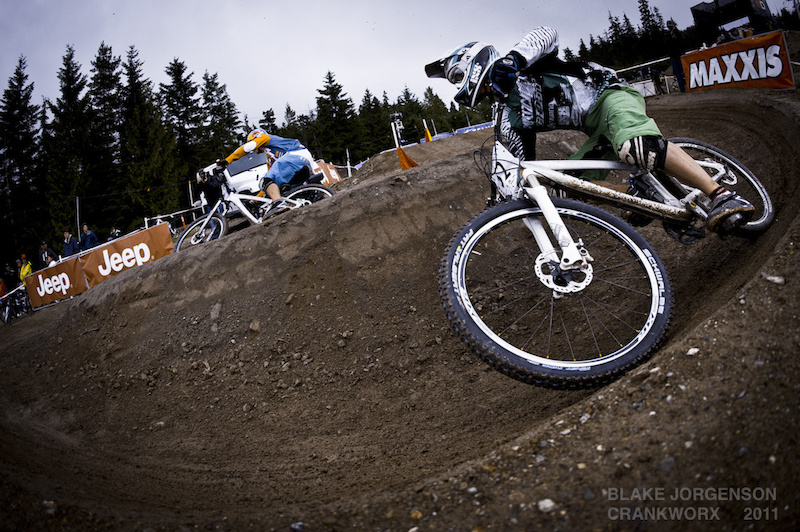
[555, 291]
[14, 304]
[304, 189]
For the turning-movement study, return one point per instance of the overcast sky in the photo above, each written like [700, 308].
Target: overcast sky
[270, 54]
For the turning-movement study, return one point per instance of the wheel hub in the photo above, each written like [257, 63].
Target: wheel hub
[563, 281]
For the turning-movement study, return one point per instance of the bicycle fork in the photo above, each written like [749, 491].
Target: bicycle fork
[574, 255]
[201, 235]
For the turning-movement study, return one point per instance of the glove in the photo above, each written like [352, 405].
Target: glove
[504, 74]
[222, 164]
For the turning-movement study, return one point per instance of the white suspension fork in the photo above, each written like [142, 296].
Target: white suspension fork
[573, 255]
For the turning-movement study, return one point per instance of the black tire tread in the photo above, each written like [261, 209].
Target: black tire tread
[507, 367]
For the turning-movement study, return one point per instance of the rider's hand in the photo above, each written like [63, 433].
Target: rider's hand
[221, 164]
[504, 74]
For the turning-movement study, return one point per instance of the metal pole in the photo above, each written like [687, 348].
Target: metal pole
[394, 132]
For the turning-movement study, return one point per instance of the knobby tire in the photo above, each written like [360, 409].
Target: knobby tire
[310, 193]
[494, 297]
[740, 180]
[217, 227]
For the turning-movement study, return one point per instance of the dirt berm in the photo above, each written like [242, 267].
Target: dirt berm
[302, 375]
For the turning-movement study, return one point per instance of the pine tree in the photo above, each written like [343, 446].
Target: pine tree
[152, 173]
[411, 108]
[653, 31]
[219, 132]
[267, 121]
[181, 106]
[20, 180]
[68, 148]
[291, 126]
[583, 51]
[335, 121]
[435, 112]
[374, 124]
[104, 94]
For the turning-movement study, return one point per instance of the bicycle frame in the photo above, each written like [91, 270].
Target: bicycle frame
[229, 197]
[516, 179]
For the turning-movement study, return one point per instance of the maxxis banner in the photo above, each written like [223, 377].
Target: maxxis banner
[755, 62]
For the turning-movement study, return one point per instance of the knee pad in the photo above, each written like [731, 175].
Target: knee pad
[647, 151]
[265, 182]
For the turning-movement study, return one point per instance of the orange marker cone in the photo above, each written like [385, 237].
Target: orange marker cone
[405, 161]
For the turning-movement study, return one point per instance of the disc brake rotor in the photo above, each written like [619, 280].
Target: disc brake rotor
[562, 281]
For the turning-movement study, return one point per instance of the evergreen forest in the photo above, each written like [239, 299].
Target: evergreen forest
[112, 148]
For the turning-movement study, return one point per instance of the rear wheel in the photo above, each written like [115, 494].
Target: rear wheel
[737, 178]
[310, 193]
[200, 232]
[537, 323]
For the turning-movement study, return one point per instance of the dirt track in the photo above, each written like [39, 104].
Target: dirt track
[304, 372]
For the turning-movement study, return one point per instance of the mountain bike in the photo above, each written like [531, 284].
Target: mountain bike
[14, 304]
[255, 208]
[552, 290]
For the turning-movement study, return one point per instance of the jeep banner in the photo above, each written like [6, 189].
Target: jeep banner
[126, 253]
[65, 279]
[755, 62]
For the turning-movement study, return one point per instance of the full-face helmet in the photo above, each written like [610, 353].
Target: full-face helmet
[466, 67]
[255, 133]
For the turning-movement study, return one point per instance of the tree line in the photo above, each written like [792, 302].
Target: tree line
[112, 148]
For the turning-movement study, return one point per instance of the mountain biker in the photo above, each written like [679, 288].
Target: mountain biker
[544, 93]
[286, 157]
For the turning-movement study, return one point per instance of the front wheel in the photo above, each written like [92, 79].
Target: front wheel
[200, 232]
[736, 177]
[542, 325]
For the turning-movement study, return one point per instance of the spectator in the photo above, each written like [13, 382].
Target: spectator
[44, 251]
[25, 268]
[88, 239]
[51, 260]
[114, 234]
[676, 47]
[11, 277]
[71, 246]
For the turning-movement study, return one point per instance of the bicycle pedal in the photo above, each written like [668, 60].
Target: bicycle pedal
[684, 235]
[635, 219]
[730, 225]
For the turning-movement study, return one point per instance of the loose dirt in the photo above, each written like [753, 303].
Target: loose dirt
[302, 375]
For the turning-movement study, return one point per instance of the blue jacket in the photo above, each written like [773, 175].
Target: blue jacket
[88, 240]
[71, 246]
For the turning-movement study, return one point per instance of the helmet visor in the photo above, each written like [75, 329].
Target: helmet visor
[456, 73]
[441, 67]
